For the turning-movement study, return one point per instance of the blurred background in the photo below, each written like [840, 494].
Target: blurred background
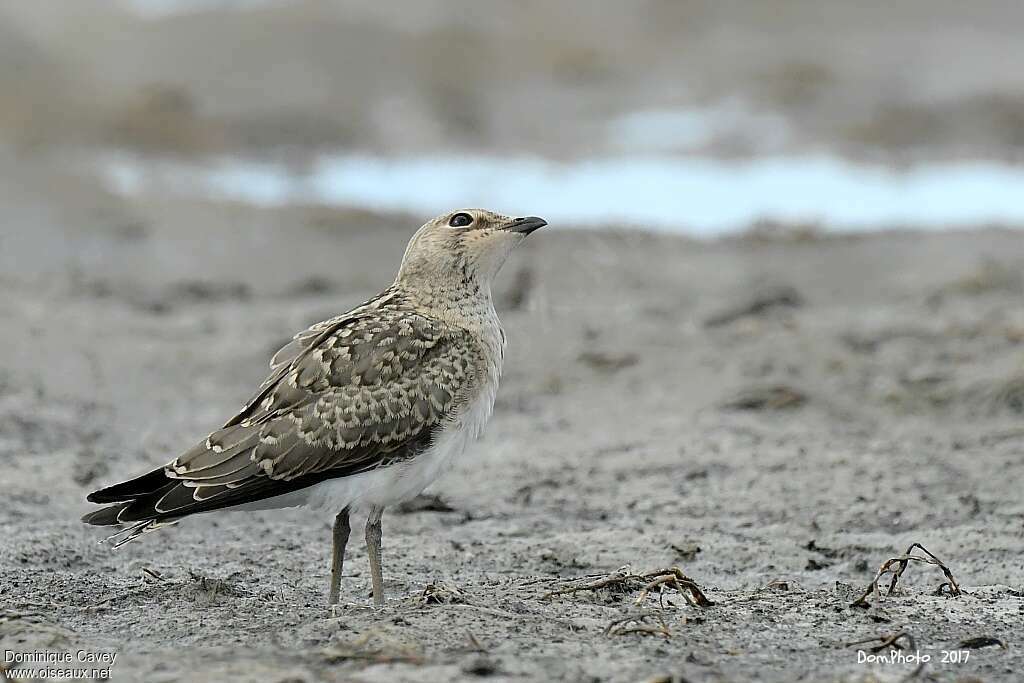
[773, 332]
[696, 116]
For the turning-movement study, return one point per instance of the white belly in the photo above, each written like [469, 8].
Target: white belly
[388, 485]
[399, 482]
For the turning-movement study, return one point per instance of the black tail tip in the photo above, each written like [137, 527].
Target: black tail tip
[131, 489]
[103, 497]
[105, 517]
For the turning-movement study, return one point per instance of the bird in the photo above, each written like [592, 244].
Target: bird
[361, 411]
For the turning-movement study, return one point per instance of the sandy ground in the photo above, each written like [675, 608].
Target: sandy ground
[774, 414]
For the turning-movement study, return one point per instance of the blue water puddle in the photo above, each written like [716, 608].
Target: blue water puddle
[157, 9]
[699, 196]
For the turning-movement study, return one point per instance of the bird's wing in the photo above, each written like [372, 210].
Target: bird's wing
[346, 396]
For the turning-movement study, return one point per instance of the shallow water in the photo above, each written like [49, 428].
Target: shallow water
[157, 9]
[700, 196]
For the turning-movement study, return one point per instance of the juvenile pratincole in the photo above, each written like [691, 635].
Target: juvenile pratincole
[359, 412]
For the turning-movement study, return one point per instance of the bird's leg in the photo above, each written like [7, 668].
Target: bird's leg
[341, 530]
[373, 536]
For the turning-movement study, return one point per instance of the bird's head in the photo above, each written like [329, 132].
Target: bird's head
[466, 245]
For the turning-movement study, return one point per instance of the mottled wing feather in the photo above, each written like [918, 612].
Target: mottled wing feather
[292, 352]
[343, 397]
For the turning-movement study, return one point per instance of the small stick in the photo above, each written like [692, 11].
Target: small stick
[621, 626]
[615, 578]
[672, 577]
[679, 581]
[901, 563]
[154, 573]
[981, 641]
[954, 587]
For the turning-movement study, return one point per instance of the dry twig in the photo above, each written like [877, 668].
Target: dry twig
[441, 594]
[614, 581]
[637, 623]
[625, 581]
[153, 573]
[981, 641]
[897, 565]
[675, 578]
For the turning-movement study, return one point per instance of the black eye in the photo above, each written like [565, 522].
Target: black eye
[460, 220]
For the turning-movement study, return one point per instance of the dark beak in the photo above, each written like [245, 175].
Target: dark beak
[526, 225]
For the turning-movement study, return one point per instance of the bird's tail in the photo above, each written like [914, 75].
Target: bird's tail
[108, 517]
[123, 495]
[128, 490]
[105, 516]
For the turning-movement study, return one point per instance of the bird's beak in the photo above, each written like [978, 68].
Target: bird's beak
[526, 225]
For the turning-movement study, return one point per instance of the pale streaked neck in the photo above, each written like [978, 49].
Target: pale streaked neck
[466, 304]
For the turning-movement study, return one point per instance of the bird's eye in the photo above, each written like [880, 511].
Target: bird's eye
[460, 220]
